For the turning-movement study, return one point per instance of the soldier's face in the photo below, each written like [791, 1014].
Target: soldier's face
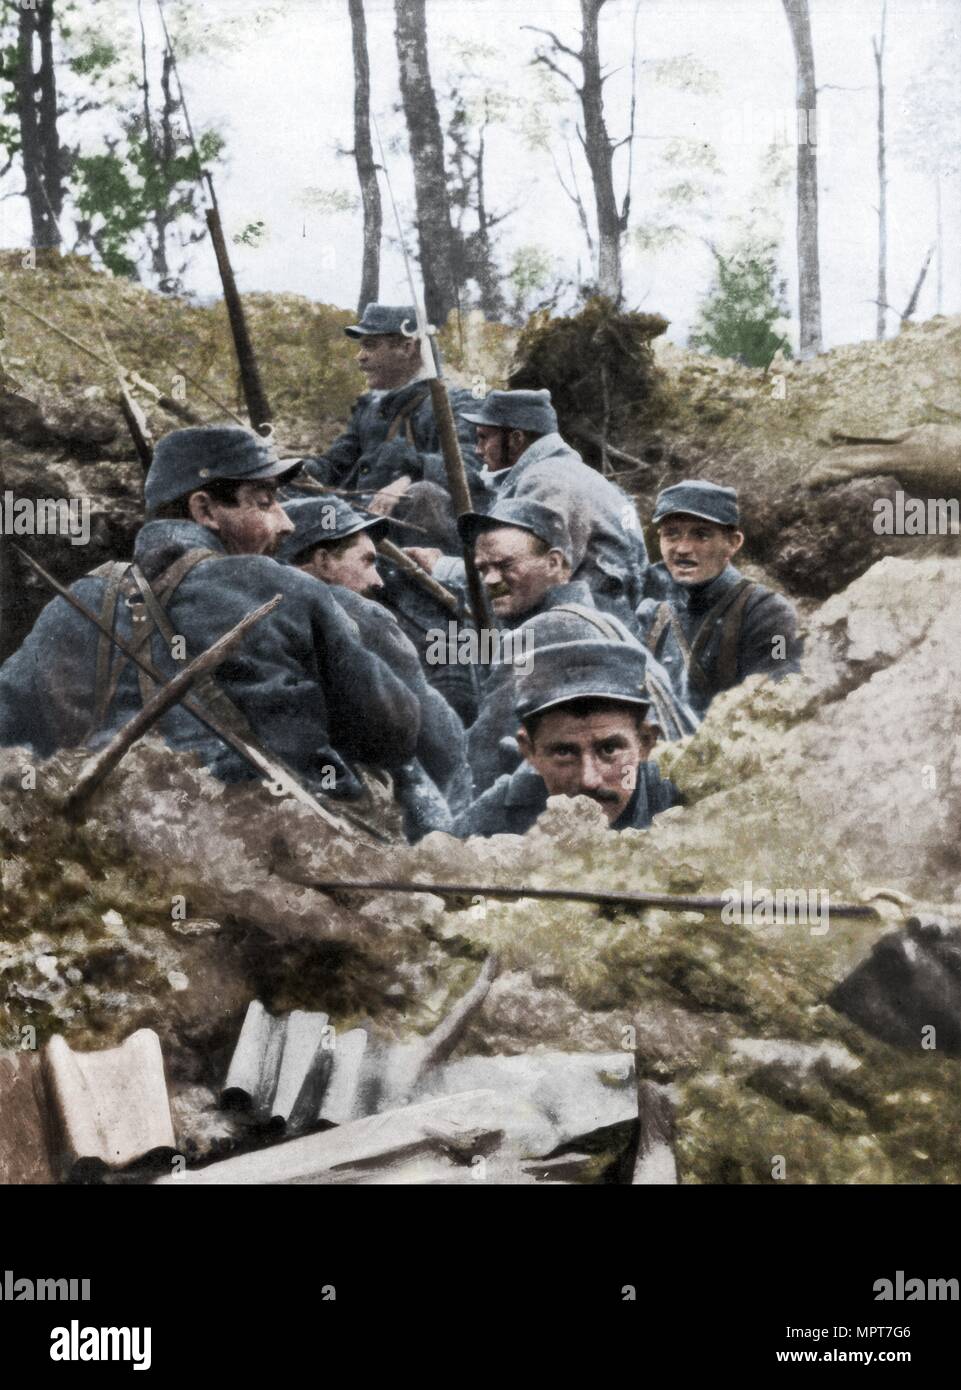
[696, 551]
[253, 525]
[499, 449]
[593, 755]
[388, 360]
[353, 568]
[516, 577]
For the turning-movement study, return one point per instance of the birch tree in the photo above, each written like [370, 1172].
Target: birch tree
[809, 270]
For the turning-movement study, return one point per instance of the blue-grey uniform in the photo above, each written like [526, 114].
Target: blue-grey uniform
[713, 636]
[609, 552]
[439, 777]
[300, 683]
[561, 673]
[393, 433]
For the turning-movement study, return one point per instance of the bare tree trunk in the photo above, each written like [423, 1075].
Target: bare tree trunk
[36, 102]
[878, 48]
[939, 241]
[809, 272]
[434, 226]
[600, 156]
[364, 158]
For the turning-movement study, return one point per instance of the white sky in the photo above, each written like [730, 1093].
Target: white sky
[283, 94]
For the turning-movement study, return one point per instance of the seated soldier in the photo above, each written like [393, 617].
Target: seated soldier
[582, 709]
[525, 458]
[389, 456]
[335, 545]
[709, 625]
[300, 683]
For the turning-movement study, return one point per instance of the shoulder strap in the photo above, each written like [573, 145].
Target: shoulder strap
[402, 418]
[592, 616]
[113, 572]
[128, 579]
[662, 619]
[730, 634]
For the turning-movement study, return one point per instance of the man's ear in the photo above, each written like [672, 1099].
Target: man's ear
[524, 743]
[737, 540]
[200, 507]
[559, 563]
[516, 443]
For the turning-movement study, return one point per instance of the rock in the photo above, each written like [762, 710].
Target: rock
[908, 985]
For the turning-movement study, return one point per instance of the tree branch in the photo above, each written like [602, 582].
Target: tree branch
[561, 47]
[549, 63]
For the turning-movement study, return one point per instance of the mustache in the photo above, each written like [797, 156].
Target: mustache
[602, 795]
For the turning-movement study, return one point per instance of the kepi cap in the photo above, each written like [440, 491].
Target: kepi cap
[319, 519]
[542, 521]
[567, 671]
[187, 460]
[378, 319]
[696, 497]
[517, 410]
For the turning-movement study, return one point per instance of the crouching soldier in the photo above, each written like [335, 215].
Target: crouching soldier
[491, 743]
[526, 458]
[582, 707]
[709, 625]
[300, 682]
[389, 456]
[336, 545]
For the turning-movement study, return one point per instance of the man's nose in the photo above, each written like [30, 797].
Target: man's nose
[375, 581]
[592, 775]
[285, 526]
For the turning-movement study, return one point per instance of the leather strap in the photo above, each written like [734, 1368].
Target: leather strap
[730, 609]
[129, 581]
[591, 615]
[403, 417]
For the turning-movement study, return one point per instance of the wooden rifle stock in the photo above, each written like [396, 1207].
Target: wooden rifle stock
[460, 495]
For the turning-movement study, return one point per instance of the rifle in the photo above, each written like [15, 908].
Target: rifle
[258, 407]
[433, 374]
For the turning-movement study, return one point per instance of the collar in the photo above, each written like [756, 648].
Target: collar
[160, 543]
[699, 597]
[401, 395]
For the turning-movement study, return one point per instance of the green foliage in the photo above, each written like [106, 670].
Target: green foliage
[744, 302]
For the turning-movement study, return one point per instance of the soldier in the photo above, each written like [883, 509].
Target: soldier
[582, 708]
[709, 625]
[523, 553]
[389, 456]
[526, 458]
[300, 682]
[334, 544]
[492, 747]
